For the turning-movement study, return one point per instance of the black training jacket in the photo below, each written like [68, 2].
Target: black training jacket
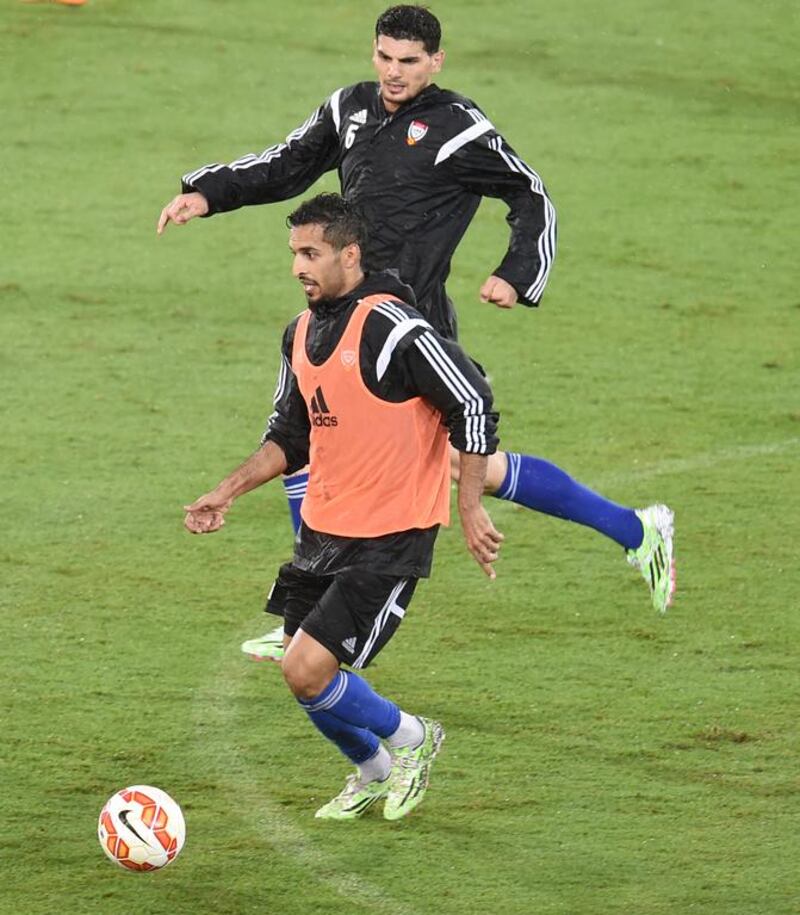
[401, 357]
[418, 175]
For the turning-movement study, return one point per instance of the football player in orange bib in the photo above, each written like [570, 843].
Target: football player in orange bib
[371, 397]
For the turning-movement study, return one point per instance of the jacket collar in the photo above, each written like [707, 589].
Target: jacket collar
[427, 95]
[384, 282]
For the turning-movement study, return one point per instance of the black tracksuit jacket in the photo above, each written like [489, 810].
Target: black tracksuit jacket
[418, 175]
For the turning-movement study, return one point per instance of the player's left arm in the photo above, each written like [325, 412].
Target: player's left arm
[411, 360]
[441, 372]
[486, 165]
[482, 538]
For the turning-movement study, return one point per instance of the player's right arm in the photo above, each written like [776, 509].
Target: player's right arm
[207, 514]
[279, 172]
[284, 447]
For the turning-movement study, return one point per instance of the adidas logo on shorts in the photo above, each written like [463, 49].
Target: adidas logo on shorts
[349, 645]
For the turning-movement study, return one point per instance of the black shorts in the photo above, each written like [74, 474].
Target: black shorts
[279, 589]
[353, 613]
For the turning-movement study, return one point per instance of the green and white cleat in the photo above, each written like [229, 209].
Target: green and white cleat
[268, 647]
[353, 800]
[411, 769]
[654, 558]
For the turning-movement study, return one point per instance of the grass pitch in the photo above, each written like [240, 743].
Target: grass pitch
[599, 759]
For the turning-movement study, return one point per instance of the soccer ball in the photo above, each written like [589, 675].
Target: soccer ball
[141, 828]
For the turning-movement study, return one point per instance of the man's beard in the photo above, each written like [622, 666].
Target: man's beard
[322, 302]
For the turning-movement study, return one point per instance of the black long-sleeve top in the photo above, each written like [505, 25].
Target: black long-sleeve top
[417, 174]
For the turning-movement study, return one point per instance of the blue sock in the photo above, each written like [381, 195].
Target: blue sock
[543, 487]
[353, 701]
[357, 744]
[295, 487]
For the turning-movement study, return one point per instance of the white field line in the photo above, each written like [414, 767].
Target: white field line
[704, 461]
[247, 784]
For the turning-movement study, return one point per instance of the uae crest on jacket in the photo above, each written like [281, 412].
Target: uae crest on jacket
[416, 131]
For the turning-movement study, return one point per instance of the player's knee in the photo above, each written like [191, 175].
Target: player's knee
[302, 679]
[294, 675]
[497, 467]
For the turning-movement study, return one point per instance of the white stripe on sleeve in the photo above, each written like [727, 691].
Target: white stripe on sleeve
[459, 386]
[206, 169]
[280, 387]
[335, 110]
[452, 377]
[270, 153]
[391, 311]
[461, 139]
[398, 332]
[546, 244]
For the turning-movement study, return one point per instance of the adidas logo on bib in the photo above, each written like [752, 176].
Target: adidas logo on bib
[320, 414]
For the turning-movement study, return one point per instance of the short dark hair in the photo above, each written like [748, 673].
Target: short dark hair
[410, 23]
[342, 222]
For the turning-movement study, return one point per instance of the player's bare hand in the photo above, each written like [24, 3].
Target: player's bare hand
[483, 539]
[499, 292]
[181, 209]
[206, 514]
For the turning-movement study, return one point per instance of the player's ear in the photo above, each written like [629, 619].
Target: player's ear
[438, 60]
[351, 256]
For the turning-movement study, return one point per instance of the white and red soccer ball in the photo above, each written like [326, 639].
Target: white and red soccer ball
[141, 828]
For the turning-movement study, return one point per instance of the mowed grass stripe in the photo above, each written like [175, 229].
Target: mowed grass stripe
[703, 461]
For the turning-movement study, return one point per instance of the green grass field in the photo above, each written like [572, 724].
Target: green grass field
[599, 759]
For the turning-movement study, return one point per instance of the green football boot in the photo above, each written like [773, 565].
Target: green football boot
[654, 558]
[411, 769]
[268, 647]
[353, 800]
